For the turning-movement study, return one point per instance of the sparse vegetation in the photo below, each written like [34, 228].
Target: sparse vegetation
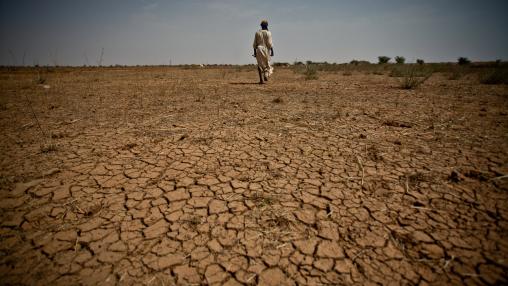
[494, 76]
[456, 74]
[400, 60]
[397, 71]
[383, 59]
[310, 72]
[41, 78]
[414, 76]
[420, 61]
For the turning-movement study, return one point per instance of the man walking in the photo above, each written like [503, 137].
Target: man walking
[263, 50]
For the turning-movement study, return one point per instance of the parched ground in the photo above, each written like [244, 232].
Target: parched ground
[162, 176]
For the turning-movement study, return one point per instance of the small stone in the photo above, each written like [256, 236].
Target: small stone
[199, 202]
[21, 188]
[11, 203]
[307, 216]
[207, 181]
[273, 277]
[185, 182]
[110, 256]
[215, 274]
[67, 235]
[186, 275]
[306, 246]
[61, 193]
[214, 246]
[217, 206]
[91, 224]
[180, 194]
[160, 263]
[433, 251]
[343, 266]
[50, 172]
[328, 230]
[330, 249]
[314, 182]
[324, 264]
[157, 229]
[56, 246]
[422, 236]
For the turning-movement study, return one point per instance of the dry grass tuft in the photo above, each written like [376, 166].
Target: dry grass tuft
[49, 147]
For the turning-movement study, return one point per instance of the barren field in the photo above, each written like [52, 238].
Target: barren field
[163, 176]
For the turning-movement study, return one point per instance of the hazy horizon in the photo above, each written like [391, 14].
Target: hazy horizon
[150, 32]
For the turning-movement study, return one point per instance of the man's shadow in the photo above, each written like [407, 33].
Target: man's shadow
[244, 83]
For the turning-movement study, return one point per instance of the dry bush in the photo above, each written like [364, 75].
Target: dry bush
[414, 76]
[49, 147]
[310, 72]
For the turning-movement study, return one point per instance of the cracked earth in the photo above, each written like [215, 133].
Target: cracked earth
[163, 176]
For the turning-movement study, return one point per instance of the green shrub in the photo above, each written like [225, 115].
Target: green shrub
[383, 59]
[463, 61]
[420, 61]
[400, 60]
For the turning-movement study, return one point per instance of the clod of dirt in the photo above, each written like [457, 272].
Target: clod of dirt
[373, 154]
[57, 135]
[183, 136]
[455, 176]
[129, 146]
[394, 123]
[90, 211]
[278, 100]
[477, 175]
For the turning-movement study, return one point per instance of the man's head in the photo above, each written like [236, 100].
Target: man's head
[264, 24]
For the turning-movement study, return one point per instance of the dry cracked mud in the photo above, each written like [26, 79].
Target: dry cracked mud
[163, 176]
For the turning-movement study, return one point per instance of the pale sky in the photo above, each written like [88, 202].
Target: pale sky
[73, 32]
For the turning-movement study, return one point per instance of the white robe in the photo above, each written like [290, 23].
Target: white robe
[262, 44]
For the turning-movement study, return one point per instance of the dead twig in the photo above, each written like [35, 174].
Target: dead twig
[361, 167]
[499, 178]
[250, 279]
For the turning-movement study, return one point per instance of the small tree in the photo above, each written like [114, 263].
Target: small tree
[420, 61]
[400, 60]
[463, 61]
[383, 59]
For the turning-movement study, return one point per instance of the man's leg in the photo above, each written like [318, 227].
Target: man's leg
[260, 75]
